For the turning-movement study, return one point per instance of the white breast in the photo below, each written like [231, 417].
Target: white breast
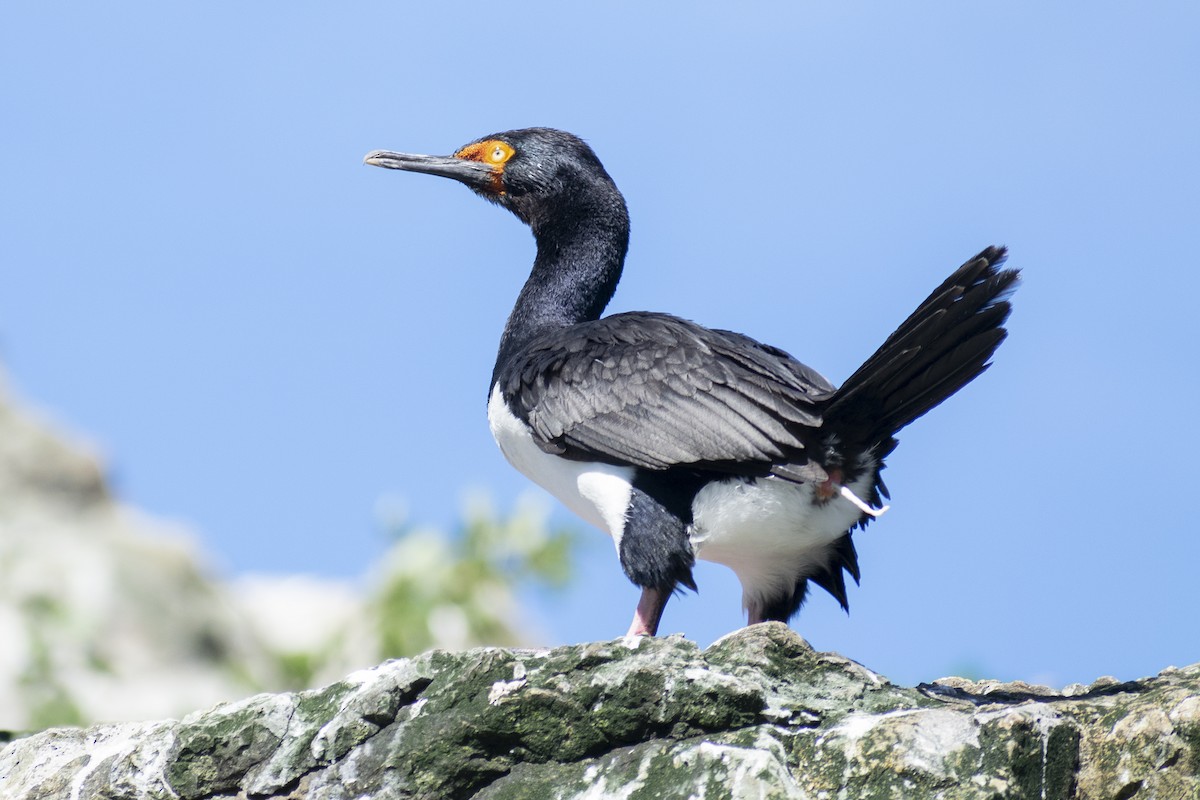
[770, 531]
[599, 493]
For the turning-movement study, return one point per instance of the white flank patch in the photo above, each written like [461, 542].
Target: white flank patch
[770, 531]
[599, 493]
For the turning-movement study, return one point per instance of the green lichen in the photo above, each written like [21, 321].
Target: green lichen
[1062, 762]
[215, 752]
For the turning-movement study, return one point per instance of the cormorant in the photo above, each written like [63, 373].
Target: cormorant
[687, 442]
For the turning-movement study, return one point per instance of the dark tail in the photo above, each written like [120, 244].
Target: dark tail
[944, 345]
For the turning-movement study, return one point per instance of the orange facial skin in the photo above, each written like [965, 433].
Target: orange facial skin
[492, 152]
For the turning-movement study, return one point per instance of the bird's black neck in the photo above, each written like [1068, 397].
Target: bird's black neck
[581, 245]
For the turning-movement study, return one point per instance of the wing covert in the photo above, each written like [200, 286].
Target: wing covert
[656, 391]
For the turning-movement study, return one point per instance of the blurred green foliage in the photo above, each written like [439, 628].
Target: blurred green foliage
[457, 590]
[50, 702]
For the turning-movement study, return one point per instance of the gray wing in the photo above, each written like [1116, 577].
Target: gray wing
[655, 391]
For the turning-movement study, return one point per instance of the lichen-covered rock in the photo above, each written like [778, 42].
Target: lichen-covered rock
[757, 715]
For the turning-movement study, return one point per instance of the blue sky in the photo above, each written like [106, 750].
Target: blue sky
[266, 337]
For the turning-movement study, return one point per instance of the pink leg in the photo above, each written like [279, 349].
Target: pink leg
[649, 612]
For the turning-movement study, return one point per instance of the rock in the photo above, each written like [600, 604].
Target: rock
[758, 714]
[105, 613]
[41, 468]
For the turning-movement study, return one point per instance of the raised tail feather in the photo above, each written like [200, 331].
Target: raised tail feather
[940, 348]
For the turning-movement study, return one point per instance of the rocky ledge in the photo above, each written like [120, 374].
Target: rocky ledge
[758, 714]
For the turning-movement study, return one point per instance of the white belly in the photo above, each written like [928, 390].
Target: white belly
[599, 493]
[770, 531]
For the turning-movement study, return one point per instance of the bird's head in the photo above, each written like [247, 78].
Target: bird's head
[533, 172]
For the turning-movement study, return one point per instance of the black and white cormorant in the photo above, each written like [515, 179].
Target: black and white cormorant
[686, 442]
